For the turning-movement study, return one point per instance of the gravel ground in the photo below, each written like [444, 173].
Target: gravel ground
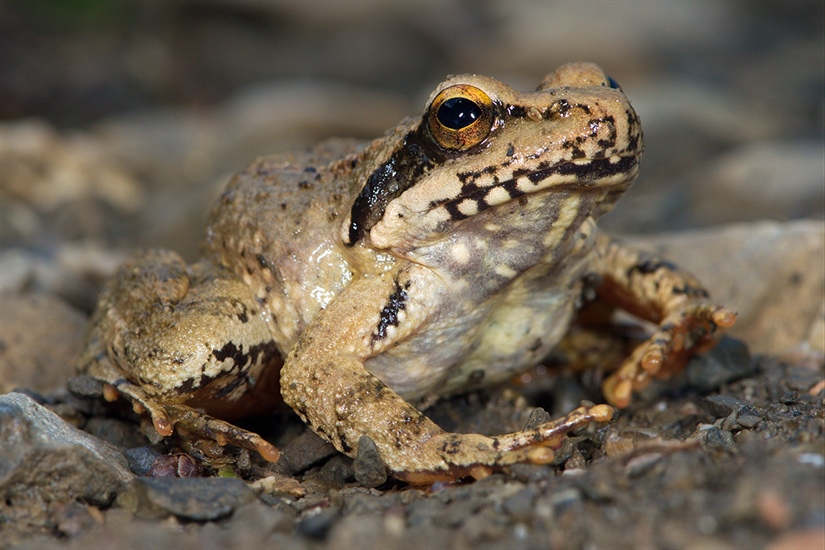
[119, 126]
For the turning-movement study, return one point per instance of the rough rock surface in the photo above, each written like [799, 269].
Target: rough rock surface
[26, 322]
[47, 465]
[766, 256]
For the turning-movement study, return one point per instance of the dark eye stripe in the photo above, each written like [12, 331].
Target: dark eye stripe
[388, 181]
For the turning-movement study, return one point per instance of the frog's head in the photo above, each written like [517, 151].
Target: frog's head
[483, 151]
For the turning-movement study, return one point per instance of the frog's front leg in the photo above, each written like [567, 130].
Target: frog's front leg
[324, 380]
[655, 290]
[183, 343]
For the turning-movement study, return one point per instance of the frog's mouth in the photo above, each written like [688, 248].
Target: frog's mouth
[608, 174]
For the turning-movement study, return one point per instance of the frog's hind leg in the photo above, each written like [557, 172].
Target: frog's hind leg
[183, 343]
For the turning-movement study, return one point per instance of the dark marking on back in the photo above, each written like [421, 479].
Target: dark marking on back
[651, 265]
[242, 362]
[245, 359]
[455, 213]
[690, 290]
[610, 141]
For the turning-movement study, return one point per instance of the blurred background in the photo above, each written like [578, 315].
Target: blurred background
[120, 121]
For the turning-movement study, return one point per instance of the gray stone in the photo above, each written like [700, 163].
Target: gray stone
[303, 452]
[729, 360]
[521, 505]
[771, 273]
[764, 179]
[45, 461]
[335, 472]
[538, 416]
[718, 440]
[317, 523]
[368, 466]
[721, 406]
[565, 498]
[141, 459]
[726, 362]
[748, 418]
[27, 321]
[640, 465]
[194, 498]
[85, 387]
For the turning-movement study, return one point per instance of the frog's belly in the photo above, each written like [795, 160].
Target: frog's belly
[477, 349]
[514, 339]
[420, 364]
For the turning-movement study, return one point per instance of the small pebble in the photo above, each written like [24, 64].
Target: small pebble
[141, 459]
[721, 440]
[565, 498]
[538, 416]
[368, 467]
[316, 524]
[640, 465]
[194, 498]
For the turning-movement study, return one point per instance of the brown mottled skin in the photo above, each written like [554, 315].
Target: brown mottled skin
[452, 252]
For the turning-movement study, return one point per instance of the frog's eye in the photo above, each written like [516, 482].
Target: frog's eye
[460, 117]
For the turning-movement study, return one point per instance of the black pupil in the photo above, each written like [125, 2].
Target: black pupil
[458, 113]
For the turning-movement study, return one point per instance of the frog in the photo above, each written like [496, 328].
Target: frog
[353, 281]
